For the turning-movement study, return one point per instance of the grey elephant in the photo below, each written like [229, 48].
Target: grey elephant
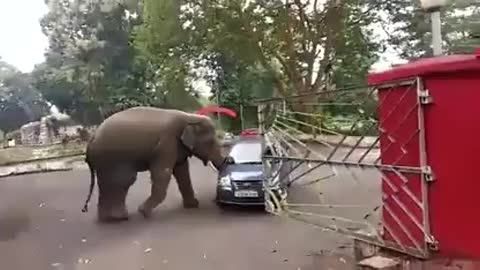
[148, 139]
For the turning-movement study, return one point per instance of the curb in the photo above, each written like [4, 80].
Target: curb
[11, 163]
[11, 174]
[37, 166]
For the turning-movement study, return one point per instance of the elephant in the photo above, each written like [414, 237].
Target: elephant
[148, 139]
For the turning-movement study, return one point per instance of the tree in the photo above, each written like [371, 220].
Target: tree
[410, 33]
[301, 42]
[90, 68]
[20, 102]
[162, 44]
[235, 86]
[303, 46]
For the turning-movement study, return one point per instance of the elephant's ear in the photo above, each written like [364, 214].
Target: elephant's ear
[188, 137]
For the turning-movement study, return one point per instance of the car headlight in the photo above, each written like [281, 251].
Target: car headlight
[225, 181]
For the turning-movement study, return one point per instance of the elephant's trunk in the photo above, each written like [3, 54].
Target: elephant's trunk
[219, 163]
[218, 159]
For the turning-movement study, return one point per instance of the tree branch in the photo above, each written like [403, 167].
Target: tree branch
[334, 23]
[295, 77]
[305, 24]
[363, 14]
[315, 4]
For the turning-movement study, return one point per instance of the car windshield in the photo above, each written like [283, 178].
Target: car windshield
[247, 152]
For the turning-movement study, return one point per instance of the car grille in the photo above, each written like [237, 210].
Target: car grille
[248, 184]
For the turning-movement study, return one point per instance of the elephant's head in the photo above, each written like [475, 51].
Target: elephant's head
[200, 139]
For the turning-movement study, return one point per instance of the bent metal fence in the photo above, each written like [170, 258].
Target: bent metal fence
[352, 161]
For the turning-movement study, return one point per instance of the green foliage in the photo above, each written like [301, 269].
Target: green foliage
[91, 68]
[236, 86]
[261, 49]
[107, 55]
[162, 44]
[411, 34]
[351, 125]
[303, 45]
[20, 102]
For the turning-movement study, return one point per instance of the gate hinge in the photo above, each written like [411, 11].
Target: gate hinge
[425, 97]
[428, 173]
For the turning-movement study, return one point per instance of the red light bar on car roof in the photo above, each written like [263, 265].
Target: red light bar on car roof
[249, 132]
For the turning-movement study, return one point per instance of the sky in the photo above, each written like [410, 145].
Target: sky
[23, 44]
[22, 41]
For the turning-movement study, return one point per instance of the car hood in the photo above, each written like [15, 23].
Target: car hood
[244, 172]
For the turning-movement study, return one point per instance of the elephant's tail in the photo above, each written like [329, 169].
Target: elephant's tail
[92, 185]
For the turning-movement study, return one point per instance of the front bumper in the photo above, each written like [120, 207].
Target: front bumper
[225, 196]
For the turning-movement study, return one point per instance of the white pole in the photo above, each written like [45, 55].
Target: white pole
[241, 117]
[436, 33]
[218, 114]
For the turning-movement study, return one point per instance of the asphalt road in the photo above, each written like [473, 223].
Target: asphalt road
[42, 227]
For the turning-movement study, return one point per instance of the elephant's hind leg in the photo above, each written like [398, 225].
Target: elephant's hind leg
[113, 189]
[160, 176]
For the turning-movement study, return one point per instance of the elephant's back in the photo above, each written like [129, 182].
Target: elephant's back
[134, 133]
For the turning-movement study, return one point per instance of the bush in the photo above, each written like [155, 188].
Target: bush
[343, 124]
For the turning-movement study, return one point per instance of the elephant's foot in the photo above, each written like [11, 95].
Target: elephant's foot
[146, 212]
[191, 203]
[111, 219]
[113, 215]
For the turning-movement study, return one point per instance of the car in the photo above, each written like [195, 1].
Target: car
[241, 181]
[228, 139]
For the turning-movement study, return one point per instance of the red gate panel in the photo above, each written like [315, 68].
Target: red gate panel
[449, 123]
[402, 211]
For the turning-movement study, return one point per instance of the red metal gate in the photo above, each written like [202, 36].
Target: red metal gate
[411, 139]
[448, 118]
[402, 144]
[385, 142]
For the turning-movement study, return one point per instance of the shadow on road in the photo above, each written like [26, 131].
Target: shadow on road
[243, 210]
[13, 221]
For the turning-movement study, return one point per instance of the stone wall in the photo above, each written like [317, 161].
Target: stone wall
[30, 133]
[42, 133]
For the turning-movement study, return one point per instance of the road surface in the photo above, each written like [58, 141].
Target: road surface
[42, 227]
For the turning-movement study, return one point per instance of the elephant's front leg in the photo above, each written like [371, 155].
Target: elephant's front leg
[181, 172]
[160, 176]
